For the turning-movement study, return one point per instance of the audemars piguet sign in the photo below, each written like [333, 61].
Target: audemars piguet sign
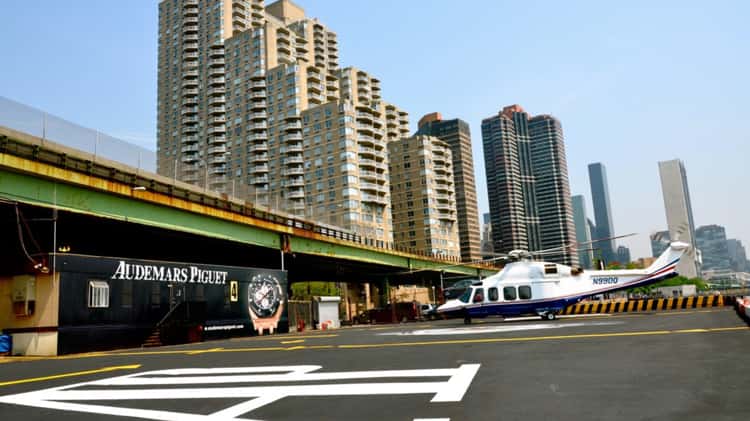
[187, 274]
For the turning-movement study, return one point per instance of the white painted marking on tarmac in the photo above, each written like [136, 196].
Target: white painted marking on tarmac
[304, 381]
[500, 328]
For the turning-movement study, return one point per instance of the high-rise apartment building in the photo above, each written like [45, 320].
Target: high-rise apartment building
[527, 182]
[240, 85]
[605, 245]
[583, 234]
[712, 242]
[679, 211]
[457, 135]
[423, 194]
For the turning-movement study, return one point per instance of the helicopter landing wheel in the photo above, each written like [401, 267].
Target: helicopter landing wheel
[549, 316]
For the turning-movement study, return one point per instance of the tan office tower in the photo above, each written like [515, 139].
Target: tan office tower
[423, 196]
[456, 133]
[235, 78]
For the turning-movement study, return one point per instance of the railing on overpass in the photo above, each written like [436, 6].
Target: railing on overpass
[51, 153]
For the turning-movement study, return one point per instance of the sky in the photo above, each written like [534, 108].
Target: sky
[633, 83]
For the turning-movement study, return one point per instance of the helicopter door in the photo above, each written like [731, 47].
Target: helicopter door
[479, 299]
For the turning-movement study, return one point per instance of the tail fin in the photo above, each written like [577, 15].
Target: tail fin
[669, 259]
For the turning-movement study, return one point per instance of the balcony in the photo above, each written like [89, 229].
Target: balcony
[217, 90]
[215, 100]
[258, 84]
[189, 148]
[188, 120]
[292, 126]
[217, 159]
[257, 147]
[261, 157]
[189, 29]
[293, 160]
[189, 74]
[189, 101]
[189, 139]
[260, 169]
[315, 87]
[257, 136]
[373, 198]
[293, 171]
[295, 182]
[189, 92]
[217, 110]
[216, 130]
[190, 20]
[222, 149]
[259, 115]
[293, 148]
[189, 159]
[296, 194]
[216, 62]
[293, 137]
[258, 94]
[216, 71]
[260, 180]
[217, 81]
[190, 56]
[258, 105]
[217, 120]
[257, 126]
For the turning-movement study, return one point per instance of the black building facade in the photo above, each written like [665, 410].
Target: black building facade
[107, 303]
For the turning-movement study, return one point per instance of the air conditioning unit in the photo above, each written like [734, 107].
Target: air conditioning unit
[24, 295]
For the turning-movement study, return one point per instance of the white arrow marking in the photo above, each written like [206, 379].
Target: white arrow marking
[451, 390]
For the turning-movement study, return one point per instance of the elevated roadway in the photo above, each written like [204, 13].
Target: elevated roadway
[90, 205]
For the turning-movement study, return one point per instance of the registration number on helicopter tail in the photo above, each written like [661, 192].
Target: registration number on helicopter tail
[605, 280]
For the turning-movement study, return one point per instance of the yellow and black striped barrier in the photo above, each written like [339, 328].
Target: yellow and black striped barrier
[651, 304]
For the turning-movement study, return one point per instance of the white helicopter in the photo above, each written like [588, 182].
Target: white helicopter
[527, 287]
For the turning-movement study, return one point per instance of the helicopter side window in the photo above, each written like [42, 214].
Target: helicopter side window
[524, 292]
[493, 294]
[479, 295]
[509, 293]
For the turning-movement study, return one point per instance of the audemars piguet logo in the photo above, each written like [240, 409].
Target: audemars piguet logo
[190, 274]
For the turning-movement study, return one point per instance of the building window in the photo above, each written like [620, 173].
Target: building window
[98, 294]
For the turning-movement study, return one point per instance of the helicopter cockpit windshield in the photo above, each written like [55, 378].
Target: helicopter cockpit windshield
[466, 296]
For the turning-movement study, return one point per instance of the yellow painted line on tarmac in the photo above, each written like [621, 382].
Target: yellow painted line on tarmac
[77, 373]
[538, 338]
[280, 337]
[298, 341]
[203, 351]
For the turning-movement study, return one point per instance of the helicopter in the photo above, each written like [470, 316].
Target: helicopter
[527, 287]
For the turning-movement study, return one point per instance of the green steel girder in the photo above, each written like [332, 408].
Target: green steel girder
[36, 190]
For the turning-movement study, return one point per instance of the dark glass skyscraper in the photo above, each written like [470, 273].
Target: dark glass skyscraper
[527, 182]
[602, 213]
[457, 135]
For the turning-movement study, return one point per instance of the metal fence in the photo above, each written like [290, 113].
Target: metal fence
[23, 118]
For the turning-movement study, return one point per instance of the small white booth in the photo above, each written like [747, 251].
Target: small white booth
[326, 312]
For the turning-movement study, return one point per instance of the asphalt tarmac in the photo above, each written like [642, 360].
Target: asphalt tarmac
[680, 365]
